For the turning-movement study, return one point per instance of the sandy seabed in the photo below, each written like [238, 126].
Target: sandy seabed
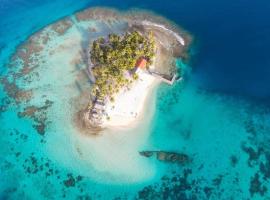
[53, 65]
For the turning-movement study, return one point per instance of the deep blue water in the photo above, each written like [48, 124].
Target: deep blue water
[230, 68]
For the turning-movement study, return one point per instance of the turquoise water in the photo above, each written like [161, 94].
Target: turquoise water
[215, 116]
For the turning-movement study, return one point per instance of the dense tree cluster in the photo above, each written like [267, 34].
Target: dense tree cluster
[116, 56]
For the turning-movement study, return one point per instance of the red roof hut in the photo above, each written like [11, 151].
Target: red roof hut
[141, 63]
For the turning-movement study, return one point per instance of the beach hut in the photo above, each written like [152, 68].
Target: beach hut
[141, 63]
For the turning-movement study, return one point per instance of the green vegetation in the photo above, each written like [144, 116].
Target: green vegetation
[116, 55]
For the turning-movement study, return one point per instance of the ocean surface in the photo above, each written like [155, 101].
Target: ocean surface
[219, 115]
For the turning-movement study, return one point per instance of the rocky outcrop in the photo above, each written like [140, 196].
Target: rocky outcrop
[167, 156]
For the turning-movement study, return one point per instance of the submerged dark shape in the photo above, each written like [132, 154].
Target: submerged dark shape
[172, 187]
[167, 156]
[256, 186]
[38, 114]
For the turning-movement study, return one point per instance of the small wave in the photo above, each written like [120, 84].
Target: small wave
[178, 37]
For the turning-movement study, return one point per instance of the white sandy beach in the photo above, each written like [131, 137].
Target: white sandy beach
[129, 104]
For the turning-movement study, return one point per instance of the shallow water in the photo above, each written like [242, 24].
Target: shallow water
[215, 115]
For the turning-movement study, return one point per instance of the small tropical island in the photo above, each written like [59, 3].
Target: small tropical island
[124, 69]
[117, 62]
[89, 82]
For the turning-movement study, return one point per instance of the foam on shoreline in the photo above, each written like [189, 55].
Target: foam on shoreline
[177, 36]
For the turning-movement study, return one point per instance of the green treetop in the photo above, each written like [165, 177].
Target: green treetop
[114, 56]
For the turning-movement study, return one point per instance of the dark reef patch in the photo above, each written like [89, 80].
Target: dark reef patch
[208, 191]
[35, 165]
[253, 154]
[13, 91]
[175, 187]
[217, 181]
[234, 160]
[26, 59]
[70, 182]
[166, 156]
[28, 52]
[185, 185]
[256, 186]
[4, 104]
[62, 26]
[38, 114]
[250, 127]
[84, 197]
[97, 14]
[265, 166]
[257, 149]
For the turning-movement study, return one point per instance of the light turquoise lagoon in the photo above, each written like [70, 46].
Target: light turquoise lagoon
[45, 155]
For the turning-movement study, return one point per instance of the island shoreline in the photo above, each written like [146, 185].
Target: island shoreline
[159, 29]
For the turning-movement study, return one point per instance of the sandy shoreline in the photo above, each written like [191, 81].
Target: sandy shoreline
[128, 107]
